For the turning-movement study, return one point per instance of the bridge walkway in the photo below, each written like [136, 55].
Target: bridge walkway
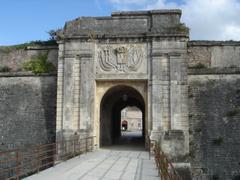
[115, 162]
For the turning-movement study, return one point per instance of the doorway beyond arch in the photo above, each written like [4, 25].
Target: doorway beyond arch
[114, 100]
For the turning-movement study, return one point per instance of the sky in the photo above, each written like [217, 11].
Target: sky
[27, 20]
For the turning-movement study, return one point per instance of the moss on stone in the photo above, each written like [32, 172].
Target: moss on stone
[39, 64]
[232, 113]
[218, 141]
[199, 66]
[5, 69]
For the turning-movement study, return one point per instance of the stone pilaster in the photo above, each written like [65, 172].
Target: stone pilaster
[59, 108]
[169, 94]
[160, 92]
[86, 90]
[68, 93]
[76, 108]
[178, 91]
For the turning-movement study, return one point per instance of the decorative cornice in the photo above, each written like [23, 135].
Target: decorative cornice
[170, 54]
[26, 74]
[213, 71]
[85, 55]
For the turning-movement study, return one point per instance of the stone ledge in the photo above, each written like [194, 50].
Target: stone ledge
[25, 74]
[192, 71]
[144, 35]
[145, 13]
[43, 47]
[213, 43]
[129, 77]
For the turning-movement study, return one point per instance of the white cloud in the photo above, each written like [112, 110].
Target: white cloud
[207, 19]
[128, 1]
[130, 4]
[231, 31]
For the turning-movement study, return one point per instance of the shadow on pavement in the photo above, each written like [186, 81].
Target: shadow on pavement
[133, 141]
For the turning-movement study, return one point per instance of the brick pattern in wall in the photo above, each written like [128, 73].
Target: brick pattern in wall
[27, 111]
[214, 118]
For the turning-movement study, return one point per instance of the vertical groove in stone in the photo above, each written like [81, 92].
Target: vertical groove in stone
[60, 87]
[76, 115]
[169, 92]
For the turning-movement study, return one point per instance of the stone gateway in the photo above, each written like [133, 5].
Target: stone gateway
[129, 59]
[188, 92]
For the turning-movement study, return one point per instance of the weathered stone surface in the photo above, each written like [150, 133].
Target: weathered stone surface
[214, 114]
[121, 58]
[214, 54]
[27, 111]
[138, 55]
[15, 58]
[127, 24]
[149, 52]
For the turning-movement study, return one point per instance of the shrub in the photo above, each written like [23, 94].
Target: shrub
[182, 28]
[9, 49]
[232, 112]
[215, 177]
[179, 28]
[5, 69]
[190, 95]
[198, 130]
[39, 64]
[218, 141]
[237, 177]
[232, 66]
[44, 43]
[199, 66]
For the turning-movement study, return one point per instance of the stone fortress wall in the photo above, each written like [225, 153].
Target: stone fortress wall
[14, 57]
[27, 100]
[27, 111]
[28, 106]
[214, 109]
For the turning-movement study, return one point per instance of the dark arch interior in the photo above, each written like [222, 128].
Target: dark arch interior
[116, 99]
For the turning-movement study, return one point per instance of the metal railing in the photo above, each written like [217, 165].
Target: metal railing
[18, 163]
[163, 165]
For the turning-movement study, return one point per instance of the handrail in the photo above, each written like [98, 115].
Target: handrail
[21, 162]
[163, 165]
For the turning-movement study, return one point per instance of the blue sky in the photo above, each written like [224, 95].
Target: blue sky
[26, 20]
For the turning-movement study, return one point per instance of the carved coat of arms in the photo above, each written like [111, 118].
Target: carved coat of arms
[120, 58]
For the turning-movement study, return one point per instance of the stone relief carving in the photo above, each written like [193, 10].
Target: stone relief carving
[120, 58]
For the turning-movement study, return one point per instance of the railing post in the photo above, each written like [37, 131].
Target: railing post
[38, 157]
[55, 153]
[86, 144]
[91, 144]
[80, 151]
[149, 146]
[74, 148]
[39, 153]
[17, 163]
[64, 147]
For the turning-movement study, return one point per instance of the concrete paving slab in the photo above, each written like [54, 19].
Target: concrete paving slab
[103, 164]
[113, 174]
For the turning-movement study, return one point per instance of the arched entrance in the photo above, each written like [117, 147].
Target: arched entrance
[113, 102]
[124, 126]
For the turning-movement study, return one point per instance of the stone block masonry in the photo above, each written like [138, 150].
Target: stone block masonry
[27, 110]
[15, 58]
[214, 120]
[214, 54]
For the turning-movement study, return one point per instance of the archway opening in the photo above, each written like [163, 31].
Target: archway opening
[131, 119]
[114, 129]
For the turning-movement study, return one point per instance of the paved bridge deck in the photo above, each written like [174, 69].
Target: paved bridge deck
[104, 164]
[126, 160]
